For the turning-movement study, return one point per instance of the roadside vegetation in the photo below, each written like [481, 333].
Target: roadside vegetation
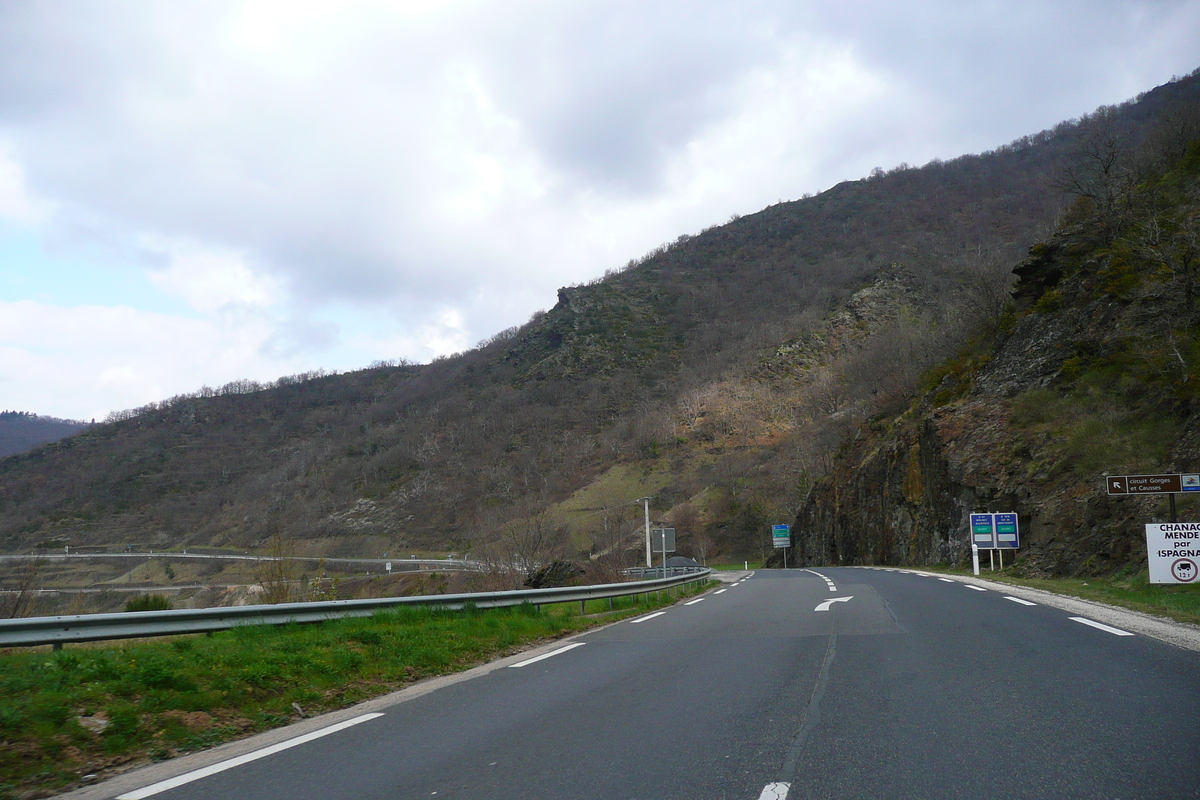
[88, 710]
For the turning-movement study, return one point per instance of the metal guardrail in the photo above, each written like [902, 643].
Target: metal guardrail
[129, 625]
[643, 573]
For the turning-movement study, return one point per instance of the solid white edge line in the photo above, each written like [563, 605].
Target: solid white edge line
[1101, 626]
[536, 659]
[775, 791]
[1019, 600]
[976, 588]
[693, 602]
[195, 775]
[648, 616]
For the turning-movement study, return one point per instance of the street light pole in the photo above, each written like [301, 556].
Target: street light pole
[649, 556]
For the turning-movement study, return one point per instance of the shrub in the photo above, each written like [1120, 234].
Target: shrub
[149, 602]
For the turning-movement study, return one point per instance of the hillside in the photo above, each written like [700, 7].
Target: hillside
[719, 373]
[1095, 372]
[21, 431]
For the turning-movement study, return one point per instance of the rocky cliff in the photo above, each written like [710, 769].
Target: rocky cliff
[1095, 370]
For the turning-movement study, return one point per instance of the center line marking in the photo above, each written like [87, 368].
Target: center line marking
[536, 659]
[1019, 600]
[195, 775]
[775, 791]
[1101, 626]
[976, 588]
[648, 616]
[693, 602]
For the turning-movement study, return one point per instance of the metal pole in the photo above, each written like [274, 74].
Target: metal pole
[1173, 508]
[1002, 561]
[785, 558]
[992, 560]
[649, 557]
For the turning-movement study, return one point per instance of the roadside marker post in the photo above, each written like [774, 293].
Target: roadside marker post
[975, 557]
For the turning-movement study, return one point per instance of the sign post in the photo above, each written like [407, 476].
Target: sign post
[781, 538]
[664, 542]
[994, 532]
[1170, 484]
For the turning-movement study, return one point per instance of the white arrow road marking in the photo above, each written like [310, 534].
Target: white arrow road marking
[1019, 600]
[774, 791]
[536, 659]
[1101, 626]
[196, 775]
[825, 606]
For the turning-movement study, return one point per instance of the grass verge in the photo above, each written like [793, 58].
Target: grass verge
[1178, 602]
[88, 710]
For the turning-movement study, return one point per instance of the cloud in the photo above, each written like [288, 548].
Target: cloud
[319, 180]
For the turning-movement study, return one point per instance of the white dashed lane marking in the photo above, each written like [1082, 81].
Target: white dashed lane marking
[946, 580]
[195, 775]
[648, 616]
[1101, 626]
[976, 588]
[1020, 601]
[693, 602]
[536, 659]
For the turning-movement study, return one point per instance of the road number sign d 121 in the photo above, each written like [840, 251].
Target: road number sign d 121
[781, 536]
[1173, 550]
[983, 531]
[663, 539]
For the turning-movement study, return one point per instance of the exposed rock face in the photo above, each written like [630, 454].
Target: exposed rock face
[1098, 373]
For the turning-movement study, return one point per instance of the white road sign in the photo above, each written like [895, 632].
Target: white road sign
[1173, 549]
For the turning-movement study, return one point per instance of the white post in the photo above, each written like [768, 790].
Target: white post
[746, 565]
[975, 557]
[1002, 561]
[649, 557]
[991, 560]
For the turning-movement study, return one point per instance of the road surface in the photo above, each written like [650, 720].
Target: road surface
[822, 683]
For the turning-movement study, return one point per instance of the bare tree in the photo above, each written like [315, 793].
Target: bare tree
[18, 601]
[1100, 171]
[278, 571]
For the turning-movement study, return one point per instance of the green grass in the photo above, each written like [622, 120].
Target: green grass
[164, 697]
[1177, 602]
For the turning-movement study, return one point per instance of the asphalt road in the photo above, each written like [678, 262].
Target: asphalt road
[905, 686]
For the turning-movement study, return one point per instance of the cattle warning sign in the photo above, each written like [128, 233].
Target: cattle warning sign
[1173, 549]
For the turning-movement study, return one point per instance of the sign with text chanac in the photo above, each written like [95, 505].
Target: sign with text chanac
[1173, 550]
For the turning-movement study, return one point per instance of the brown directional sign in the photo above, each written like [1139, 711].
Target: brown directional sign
[1149, 484]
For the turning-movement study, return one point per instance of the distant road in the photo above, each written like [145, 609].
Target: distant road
[411, 563]
[831, 683]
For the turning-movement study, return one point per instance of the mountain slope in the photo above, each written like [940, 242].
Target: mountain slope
[728, 363]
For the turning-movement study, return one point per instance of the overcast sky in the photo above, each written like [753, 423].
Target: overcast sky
[192, 193]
